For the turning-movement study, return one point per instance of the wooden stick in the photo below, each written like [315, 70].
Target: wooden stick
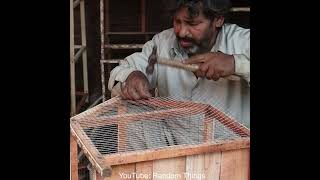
[189, 67]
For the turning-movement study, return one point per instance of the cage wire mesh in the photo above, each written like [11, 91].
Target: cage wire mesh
[118, 126]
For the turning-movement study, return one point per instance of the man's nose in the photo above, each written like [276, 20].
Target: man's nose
[184, 31]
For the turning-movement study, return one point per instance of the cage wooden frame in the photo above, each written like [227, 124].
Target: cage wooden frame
[103, 163]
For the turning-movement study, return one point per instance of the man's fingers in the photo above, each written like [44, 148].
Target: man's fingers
[124, 91]
[143, 90]
[202, 71]
[133, 94]
[210, 73]
[195, 59]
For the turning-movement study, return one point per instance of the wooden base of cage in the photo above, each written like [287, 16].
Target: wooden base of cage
[220, 165]
[213, 159]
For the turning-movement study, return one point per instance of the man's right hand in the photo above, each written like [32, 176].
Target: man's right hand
[136, 87]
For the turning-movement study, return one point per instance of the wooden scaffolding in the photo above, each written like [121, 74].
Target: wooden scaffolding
[77, 51]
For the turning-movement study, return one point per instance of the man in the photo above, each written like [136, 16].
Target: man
[199, 36]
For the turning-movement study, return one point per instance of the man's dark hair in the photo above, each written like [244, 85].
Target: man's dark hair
[210, 8]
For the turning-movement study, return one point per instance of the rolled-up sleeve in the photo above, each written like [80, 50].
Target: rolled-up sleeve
[242, 66]
[242, 59]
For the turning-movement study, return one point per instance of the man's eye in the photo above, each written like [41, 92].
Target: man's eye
[193, 24]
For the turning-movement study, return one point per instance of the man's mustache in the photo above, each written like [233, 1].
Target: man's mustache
[187, 39]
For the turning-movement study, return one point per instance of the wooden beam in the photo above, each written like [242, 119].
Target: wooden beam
[124, 46]
[174, 151]
[79, 53]
[84, 44]
[130, 33]
[112, 61]
[72, 63]
[240, 9]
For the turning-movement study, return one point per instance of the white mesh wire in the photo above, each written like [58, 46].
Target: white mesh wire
[118, 126]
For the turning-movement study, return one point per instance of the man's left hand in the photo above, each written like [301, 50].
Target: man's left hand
[213, 65]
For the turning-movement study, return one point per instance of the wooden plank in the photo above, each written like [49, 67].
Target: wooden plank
[212, 164]
[173, 168]
[175, 151]
[203, 166]
[144, 170]
[122, 172]
[235, 165]
[74, 158]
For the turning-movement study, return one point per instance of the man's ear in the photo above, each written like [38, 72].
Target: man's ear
[218, 21]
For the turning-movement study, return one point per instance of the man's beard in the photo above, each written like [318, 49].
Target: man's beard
[196, 47]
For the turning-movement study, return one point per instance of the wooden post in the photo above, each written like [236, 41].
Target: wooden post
[143, 18]
[84, 44]
[102, 48]
[72, 62]
[73, 157]
[103, 81]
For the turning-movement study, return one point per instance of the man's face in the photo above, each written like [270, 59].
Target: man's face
[194, 35]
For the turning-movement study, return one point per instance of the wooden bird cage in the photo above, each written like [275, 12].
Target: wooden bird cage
[205, 143]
